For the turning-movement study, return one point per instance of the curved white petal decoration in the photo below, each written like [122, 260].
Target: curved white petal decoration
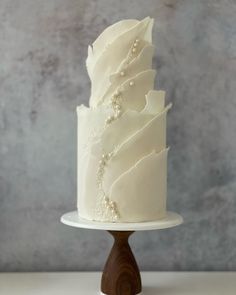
[105, 38]
[141, 191]
[141, 63]
[134, 96]
[112, 56]
[155, 102]
[151, 137]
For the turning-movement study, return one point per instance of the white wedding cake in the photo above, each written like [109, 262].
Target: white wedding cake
[122, 153]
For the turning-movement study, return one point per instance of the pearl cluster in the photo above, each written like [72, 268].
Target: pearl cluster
[101, 168]
[133, 51]
[111, 207]
[107, 209]
[135, 45]
[116, 98]
[116, 106]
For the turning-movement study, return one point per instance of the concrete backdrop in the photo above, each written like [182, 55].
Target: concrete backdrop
[43, 46]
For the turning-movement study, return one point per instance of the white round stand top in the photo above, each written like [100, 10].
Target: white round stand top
[73, 219]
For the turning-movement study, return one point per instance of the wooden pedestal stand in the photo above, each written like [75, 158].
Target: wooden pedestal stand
[121, 274]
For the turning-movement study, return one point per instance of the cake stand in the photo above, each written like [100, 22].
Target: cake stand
[121, 275]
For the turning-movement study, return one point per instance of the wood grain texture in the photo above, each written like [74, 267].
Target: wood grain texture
[121, 274]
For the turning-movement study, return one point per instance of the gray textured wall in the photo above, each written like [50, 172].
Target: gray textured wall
[43, 47]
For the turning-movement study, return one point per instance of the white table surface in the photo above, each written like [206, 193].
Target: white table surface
[154, 283]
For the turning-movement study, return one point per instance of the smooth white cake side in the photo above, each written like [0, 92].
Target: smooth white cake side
[122, 154]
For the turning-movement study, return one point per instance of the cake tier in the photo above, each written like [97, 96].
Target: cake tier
[122, 166]
[122, 154]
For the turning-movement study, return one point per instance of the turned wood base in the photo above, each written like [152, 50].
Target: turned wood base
[121, 274]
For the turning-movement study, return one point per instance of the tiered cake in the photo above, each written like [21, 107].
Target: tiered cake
[122, 154]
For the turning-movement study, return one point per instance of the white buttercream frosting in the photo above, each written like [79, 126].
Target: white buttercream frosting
[122, 154]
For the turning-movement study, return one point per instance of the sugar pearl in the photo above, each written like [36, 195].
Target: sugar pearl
[109, 119]
[117, 93]
[135, 44]
[102, 162]
[117, 114]
[134, 50]
[137, 40]
[131, 83]
[122, 73]
[117, 107]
